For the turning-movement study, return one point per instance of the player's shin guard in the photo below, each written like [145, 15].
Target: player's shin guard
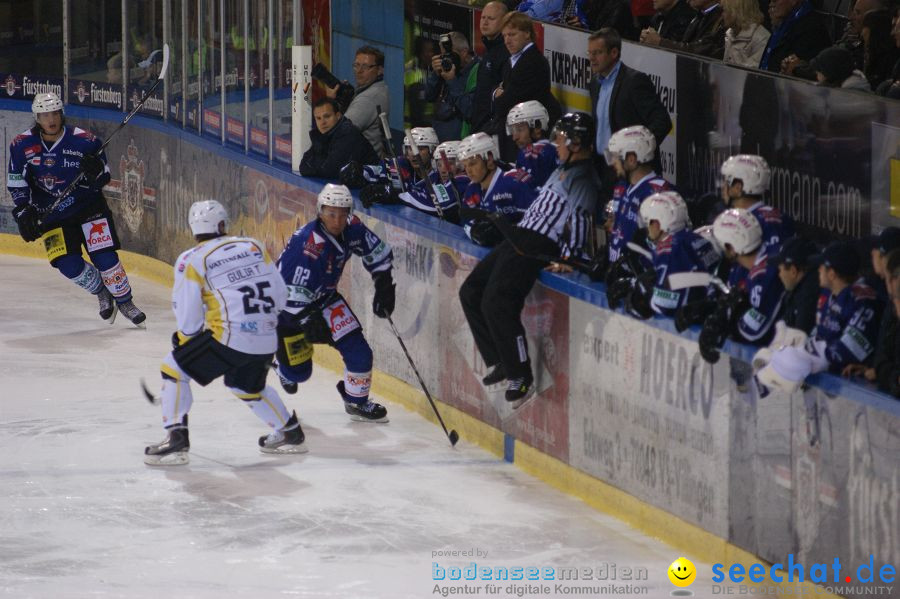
[88, 279]
[267, 406]
[176, 392]
[115, 279]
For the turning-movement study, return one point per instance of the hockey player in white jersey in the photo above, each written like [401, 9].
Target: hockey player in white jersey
[226, 298]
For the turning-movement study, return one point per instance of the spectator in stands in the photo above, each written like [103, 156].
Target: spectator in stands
[490, 71]
[704, 36]
[849, 311]
[671, 19]
[834, 68]
[801, 281]
[567, 12]
[418, 111]
[453, 89]
[526, 76]
[881, 53]
[371, 92]
[335, 142]
[745, 38]
[620, 97]
[891, 86]
[851, 39]
[797, 29]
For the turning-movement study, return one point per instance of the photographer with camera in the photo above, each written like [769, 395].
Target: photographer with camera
[451, 86]
[371, 91]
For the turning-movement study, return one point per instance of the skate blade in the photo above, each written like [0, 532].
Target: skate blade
[141, 325]
[382, 420]
[112, 317]
[285, 449]
[178, 458]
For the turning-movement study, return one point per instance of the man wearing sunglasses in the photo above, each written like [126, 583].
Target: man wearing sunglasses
[371, 92]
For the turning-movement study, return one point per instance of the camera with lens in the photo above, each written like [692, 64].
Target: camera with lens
[345, 91]
[449, 58]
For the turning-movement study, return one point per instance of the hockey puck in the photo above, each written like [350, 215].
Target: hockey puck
[453, 438]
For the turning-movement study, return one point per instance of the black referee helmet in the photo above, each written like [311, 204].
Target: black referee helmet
[578, 127]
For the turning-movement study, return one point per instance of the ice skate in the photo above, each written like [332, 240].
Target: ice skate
[362, 411]
[133, 313]
[173, 451]
[108, 308]
[289, 386]
[497, 375]
[519, 390]
[288, 440]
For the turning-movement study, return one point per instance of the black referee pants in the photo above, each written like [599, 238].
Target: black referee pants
[493, 296]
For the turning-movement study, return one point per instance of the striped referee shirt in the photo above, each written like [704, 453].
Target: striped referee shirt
[564, 206]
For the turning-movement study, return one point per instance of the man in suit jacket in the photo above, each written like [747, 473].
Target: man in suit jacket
[526, 76]
[620, 97]
[705, 34]
[797, 29]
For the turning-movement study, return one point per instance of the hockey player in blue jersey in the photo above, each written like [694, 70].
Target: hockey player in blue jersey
[849, 311]
[491, 189]
[43, 161]
[746, 179]
[311, 265]
[430, 194]
[527, 124]
[754, 280]
[676, 249]
[631, 152]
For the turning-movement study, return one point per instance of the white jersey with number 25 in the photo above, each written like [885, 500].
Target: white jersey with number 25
[231, 286]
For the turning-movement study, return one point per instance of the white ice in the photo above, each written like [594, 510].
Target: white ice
[359, 516]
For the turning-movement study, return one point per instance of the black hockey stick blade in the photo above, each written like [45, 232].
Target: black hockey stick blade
[147, 394]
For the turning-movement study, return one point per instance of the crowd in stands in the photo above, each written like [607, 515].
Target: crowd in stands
[585, 191]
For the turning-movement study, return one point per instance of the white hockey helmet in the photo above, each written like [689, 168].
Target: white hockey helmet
[48, 102]
[751, 170]
[423, 136]
[477, 144]
[636, 139]
[450, 149]
[531, 112]
[335, 195]
[204, 217]
[668, 209]
[706, 232]
[739, 229]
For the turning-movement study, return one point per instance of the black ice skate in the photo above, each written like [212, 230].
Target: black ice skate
[497, 375]
[133, 314]
[520, 389]
[288, 440]
[108, 307]
[366, 411]
[173, 451]
[289, 386]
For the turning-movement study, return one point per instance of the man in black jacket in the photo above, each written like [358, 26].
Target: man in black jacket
[620, 97]
[490, 71]
[671, 19]
[801, 281]
[526, 76]
[705, 35]
[335, 142]
[797, 29]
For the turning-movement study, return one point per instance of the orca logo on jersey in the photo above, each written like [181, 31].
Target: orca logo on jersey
[97, 234]
[48, 181]
[81, 92]
[10, 86]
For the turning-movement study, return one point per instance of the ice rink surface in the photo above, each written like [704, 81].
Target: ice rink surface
[362, 515]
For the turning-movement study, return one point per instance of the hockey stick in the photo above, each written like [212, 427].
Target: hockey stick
[423, 174]
[389, 146]
[150, 397]
[451, 434]
[137, 107]
[451, 177]
[684, 280]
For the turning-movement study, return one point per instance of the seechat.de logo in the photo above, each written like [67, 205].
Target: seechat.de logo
[797, 572]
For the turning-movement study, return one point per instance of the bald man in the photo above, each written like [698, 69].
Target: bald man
[492, 61]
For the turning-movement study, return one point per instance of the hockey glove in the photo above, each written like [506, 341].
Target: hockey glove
[27, 218]
[316, 329]
[713, 335]
[352, 175]
[486, 233]
[618, 291]
[693, 313]
[377, 193]
[385, 294]
[92, 167]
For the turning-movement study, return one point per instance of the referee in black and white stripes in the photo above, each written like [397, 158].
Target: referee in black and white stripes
[557, 223]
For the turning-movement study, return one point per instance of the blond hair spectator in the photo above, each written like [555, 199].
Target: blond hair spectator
[745, 38]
